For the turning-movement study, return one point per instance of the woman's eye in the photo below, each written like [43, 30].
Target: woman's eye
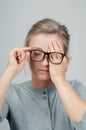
[37, 53]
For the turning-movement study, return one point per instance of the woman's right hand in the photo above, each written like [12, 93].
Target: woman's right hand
[17, 59]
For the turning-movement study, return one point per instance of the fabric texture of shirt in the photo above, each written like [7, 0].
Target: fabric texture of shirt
[29, 108]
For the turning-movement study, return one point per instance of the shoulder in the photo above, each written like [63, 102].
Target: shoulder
[76, 84]
[15, 89]
[78, 87]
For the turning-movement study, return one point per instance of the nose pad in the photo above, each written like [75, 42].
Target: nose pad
[45, 60]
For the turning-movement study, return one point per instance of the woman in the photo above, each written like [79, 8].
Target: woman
[48, 101]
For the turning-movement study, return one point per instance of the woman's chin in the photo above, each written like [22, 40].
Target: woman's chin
[43, 77]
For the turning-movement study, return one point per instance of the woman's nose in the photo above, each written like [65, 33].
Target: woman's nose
[45, 61]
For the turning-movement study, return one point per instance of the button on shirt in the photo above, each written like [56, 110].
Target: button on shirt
[29, 108]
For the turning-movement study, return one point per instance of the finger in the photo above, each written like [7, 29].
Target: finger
[51, 47]
[26, 48]
[19, 54]
[60, 46]
[54, 56]
[57, 46]
[14, 52]
[67, 60]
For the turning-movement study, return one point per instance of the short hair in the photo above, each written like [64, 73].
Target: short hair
[49, 26]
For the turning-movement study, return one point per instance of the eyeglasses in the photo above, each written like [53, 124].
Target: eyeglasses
[39, 55]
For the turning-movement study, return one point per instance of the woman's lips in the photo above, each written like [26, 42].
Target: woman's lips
[43, 71]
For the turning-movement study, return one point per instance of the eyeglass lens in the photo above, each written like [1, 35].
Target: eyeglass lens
[55, 57]
[37, 55]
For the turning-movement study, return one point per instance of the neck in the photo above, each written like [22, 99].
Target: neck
[41, 83]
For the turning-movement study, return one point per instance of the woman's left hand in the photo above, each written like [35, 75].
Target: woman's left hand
[58, 71]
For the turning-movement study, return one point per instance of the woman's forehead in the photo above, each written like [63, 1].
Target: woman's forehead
[42, 41]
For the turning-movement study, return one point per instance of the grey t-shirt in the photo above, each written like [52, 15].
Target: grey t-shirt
[29, 108]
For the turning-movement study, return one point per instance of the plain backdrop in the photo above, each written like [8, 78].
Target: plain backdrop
[16, 18]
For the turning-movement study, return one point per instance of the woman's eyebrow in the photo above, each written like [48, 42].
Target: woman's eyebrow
[37, 48]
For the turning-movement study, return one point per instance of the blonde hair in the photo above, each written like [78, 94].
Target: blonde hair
[49, 26]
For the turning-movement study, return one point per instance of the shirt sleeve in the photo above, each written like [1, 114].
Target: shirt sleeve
[81, 91]
[81, 125]
[4, 111]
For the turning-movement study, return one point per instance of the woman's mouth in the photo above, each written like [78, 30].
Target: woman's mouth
[43, 71]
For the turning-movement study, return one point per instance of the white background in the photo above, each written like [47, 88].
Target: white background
[17, 16]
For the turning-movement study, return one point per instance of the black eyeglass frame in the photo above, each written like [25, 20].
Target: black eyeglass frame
[47, 53]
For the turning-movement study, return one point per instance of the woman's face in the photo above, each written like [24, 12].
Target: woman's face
[40, 70]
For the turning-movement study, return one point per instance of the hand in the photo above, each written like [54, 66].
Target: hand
[17, 59]
[57, 72]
